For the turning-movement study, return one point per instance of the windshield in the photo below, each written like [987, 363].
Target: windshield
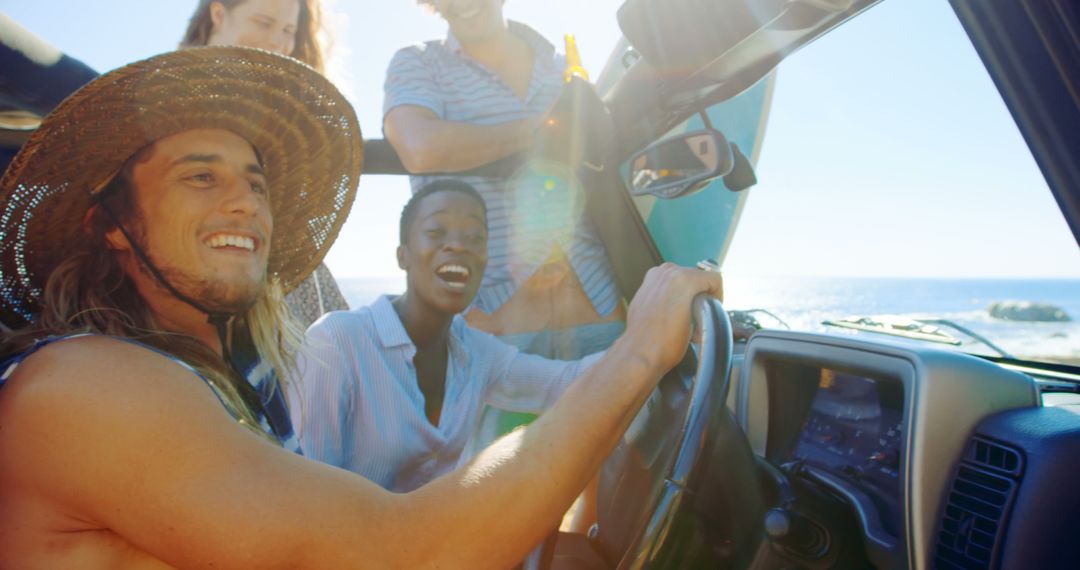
[895, 185]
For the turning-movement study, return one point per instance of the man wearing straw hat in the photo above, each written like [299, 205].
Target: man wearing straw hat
[155, 212]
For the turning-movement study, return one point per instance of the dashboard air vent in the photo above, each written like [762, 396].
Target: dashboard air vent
[977, 506]
[994, 456]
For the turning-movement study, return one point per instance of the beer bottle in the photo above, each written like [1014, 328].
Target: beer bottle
[573, 61]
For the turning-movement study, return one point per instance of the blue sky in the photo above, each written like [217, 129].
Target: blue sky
[890, 142]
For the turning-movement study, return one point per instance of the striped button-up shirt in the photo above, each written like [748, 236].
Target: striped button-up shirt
[357, 403]
[527, 215]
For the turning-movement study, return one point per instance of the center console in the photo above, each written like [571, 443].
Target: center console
[864, 431]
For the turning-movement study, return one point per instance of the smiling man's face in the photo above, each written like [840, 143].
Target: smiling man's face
[445, 251]
[202, 216]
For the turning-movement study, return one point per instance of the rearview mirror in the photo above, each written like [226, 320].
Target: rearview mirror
[680, 165]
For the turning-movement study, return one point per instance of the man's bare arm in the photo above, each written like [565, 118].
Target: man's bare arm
[425, 143]
[148, 452]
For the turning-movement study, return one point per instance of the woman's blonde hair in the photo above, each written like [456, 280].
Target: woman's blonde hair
[90, 292]
[309, 46]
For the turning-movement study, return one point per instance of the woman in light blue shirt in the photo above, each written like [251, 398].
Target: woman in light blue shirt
[394, 391]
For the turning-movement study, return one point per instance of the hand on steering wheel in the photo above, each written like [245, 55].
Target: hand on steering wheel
[647, 483]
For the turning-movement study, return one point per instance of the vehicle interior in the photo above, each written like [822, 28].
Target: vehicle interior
[843, 451]
[772, 448]
[960, 468]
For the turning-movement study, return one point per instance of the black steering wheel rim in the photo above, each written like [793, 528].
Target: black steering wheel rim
[712, 382]
[661, 459]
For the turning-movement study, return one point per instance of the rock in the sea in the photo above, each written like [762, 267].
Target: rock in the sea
[1028, 311]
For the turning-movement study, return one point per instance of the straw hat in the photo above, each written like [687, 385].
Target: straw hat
[304, 129]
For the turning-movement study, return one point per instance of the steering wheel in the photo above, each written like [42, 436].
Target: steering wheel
[682, 471]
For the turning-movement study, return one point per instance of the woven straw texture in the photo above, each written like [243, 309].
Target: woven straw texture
[304, 129]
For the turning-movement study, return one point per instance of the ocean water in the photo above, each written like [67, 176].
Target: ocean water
[360, 292]
[803, 303]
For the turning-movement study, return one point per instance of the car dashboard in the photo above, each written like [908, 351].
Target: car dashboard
[874, 429]
[852, 436]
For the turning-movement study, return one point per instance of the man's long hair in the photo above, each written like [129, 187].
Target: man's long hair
[90, 292]
[309, 32]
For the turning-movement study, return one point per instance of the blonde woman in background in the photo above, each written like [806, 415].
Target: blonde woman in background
[288, 27]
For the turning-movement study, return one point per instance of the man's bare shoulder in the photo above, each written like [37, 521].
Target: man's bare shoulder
[107, 436]
[94, 363]
[78, 384]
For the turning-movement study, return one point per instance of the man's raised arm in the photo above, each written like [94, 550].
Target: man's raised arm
[425, 143]
[147, 452]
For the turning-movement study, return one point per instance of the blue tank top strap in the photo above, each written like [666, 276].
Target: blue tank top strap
[7, 368]
[11, 364]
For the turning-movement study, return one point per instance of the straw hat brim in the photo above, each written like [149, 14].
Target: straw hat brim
[303, 128]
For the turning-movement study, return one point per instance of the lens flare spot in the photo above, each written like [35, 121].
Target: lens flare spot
[545, 203]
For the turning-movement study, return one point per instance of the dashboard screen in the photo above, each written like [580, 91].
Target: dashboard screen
[854, 429]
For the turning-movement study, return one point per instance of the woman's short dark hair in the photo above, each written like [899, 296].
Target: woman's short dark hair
[408, 214]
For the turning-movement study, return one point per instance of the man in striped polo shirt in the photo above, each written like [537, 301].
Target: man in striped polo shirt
[477, 96]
